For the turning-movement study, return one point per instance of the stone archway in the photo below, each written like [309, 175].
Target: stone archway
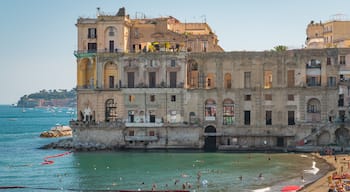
[210, 139]
[324, 138]
[342, 136]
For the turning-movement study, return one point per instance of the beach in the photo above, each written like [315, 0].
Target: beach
[339, 164]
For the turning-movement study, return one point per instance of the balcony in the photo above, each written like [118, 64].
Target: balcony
[92, 53]
[144, 124]
[84, 53]
[313, 64]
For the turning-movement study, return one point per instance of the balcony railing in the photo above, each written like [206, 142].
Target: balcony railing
[144, 124]
[92, 53]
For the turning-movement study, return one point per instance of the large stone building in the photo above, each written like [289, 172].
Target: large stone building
[159, 83]
[331, 34]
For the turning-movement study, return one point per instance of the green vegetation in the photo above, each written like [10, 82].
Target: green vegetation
[280, 48]
[44, 98]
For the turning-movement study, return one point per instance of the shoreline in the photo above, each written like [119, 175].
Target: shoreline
[306, 180]
[317, 182]
[339, 163]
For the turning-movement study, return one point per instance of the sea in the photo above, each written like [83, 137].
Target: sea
[23, 166]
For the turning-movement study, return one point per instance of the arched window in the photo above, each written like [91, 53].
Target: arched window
[227, 81]
[86, 73]
[228, 112]
[313, 106]
[110, 75]
[210, 110]
[111, 110]
[313, 110]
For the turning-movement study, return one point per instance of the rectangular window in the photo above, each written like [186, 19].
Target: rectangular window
[173, 79]
[131, 79]
[172, 63]
[247, 97]
[329, 61]
[313, 81]
[247, 79]
[205, 45]
[151, 133]
[341, 100]
[331, 82]
[290, 97]
[173, 98]
[92, 47]
[291, 120]
[268, 116]
[131, 116]
[342, 60]
[131, 133]
[131, 98]
[246, 117]
[267, 79]
[152, 79]
[111, 31]
[152, 98]
[291, 78]
[92, 33]
[268, 97]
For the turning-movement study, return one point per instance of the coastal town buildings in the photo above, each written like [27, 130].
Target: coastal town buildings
[331, 34]
[159, 83]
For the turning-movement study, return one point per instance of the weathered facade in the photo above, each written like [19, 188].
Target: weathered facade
[204, 98]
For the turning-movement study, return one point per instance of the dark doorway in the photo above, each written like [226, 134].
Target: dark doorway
[210, 140]
[152, 79]
[152, 118]
[111, 81]
[280, 142]
[342, 136]
[131, 79]
[172, 79]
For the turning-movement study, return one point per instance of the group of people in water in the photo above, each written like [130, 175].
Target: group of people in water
[184, 183]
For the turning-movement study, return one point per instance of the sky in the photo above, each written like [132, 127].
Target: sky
[38, 37]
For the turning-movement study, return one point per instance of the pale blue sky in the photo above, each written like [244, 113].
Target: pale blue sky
[38, 37]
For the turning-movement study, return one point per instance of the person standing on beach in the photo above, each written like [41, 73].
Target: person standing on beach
[302, 177]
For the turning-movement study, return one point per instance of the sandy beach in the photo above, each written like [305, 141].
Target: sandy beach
[339, 164]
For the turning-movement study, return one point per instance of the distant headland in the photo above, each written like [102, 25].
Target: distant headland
[49, 98]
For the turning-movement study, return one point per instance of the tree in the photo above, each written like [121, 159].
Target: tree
[280, 48]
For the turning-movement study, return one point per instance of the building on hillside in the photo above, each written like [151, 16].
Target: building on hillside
[331, 34]
[191, 97]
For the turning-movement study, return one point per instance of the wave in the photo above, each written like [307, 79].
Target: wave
[314, 170]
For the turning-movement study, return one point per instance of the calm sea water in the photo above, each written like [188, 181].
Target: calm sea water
[21, 163]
